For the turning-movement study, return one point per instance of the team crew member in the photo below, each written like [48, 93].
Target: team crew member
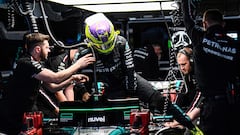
[216, 64]
[146, 62]
[186, 65]
[191, 100]
[27, 78]
[48, 101]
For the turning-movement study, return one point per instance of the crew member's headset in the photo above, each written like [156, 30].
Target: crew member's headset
[188, 54]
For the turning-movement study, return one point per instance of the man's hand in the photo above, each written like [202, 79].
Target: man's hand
[86, 60]
[80, 78]
[86, 96]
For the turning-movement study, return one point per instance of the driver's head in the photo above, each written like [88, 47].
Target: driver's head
[99, 30]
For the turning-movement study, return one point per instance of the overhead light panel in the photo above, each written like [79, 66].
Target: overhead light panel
[154, 6]
[131, 7]
[96, 2]
[121, 6]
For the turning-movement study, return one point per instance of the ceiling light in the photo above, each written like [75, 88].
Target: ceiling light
[95, 2]
[131, 7]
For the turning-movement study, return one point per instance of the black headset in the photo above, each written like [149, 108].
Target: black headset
[190, 56]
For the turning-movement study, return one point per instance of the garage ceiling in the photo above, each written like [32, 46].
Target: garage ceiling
[58, 12]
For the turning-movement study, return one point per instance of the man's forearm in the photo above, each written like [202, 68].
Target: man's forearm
[54, 87]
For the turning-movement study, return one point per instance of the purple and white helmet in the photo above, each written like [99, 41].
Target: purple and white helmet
[100, 31]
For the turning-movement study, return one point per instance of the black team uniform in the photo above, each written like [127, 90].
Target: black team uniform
[216, 58]
[115, 70]
[146, 63]
[191, 99]
[21, 95]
